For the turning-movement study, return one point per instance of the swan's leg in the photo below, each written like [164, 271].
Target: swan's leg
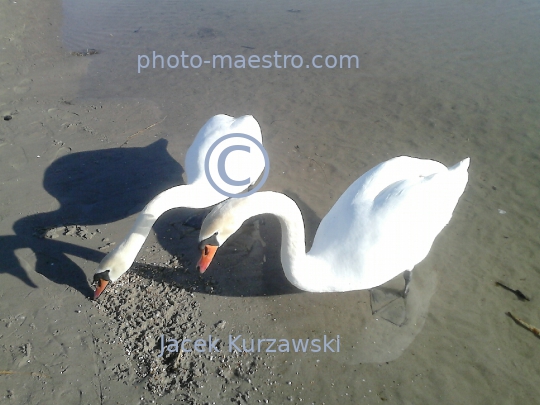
[407, 275]
[389, 303]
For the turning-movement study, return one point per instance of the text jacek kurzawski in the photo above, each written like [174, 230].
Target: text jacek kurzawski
[239, 344]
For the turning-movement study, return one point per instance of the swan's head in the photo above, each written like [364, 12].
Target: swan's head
[109, 270]
[223, 221]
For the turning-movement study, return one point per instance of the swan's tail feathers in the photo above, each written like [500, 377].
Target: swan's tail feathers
[459, 179]
[463, 165]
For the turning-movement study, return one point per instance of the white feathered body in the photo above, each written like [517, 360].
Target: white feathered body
[384, 223]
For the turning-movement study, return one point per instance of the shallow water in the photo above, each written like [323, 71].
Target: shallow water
[439, 80]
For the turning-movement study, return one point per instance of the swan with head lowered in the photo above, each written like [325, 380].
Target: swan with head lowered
[382, 226]
[197, 193]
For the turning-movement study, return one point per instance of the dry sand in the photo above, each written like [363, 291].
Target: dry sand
[86, 142]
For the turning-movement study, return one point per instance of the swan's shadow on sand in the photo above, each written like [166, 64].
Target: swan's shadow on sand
[92, 188]
[103, 186]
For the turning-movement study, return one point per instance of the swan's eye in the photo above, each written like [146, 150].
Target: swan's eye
[212, 241]
[104, 275]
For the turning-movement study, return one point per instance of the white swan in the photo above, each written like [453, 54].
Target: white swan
[383, 225]
[197, 193]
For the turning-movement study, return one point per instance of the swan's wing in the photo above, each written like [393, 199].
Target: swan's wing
[236, 164]
[406, 216]
[350, 217]
[432, 194]
[369, 240]
[373, 182]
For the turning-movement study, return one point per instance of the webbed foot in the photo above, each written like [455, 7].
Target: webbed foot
[388, 303]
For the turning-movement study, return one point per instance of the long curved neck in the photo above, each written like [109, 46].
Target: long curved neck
[188, 196]
[293, 241]
[300, 268]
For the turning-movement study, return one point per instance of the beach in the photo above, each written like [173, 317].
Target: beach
[97, 110]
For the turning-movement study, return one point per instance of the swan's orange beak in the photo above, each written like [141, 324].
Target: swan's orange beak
[206, 258]
[101, 284]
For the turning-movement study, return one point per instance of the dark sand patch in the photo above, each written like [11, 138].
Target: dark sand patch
[147, 303]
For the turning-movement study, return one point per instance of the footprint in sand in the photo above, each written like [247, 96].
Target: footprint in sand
[23, 86]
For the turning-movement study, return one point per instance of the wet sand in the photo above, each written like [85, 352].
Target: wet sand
[86, 142]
